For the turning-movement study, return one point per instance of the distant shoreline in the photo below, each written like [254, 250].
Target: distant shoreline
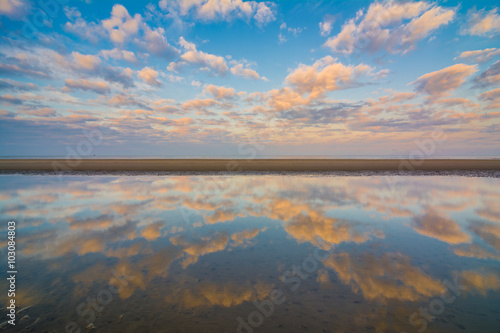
[242, 165]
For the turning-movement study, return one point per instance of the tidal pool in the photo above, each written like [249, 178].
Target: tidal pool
[268, 253]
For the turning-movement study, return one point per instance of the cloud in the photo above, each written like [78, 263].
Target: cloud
[103, 221]
[493, 97]
[284, 30]
[119, 55]
[433, 225]
[152, 231]
[480, 56]
[475, 251]
[155, 42]
[15, 9]
[10, 69]
[121, 26]
[326, 26]
[480, 282]
[489, 77]
[125, 100]
[88, 62]
[325, 75]
[390, 276]
[91, 64]
[440, 83]
[90, 31]
[95, 86]
[43, 112]
[247, 73]
[207, 61]
[382, 27]
[220, 92]
[201, 247]
[8, 84]
[284, 99]
[150, 76]
[480, 23]
[489, 232]
[10, 99]
[228, 295]
[244, 236]
[315, 226]
[120, 75]
[199, 104]
[222, 10]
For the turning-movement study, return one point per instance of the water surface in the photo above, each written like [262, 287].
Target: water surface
[255, 253]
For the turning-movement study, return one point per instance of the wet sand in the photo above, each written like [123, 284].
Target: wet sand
[243, 165]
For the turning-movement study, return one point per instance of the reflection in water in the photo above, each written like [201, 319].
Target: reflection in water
[203, 253]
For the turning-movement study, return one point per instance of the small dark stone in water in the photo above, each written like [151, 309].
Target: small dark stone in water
[357, 302]
[460, 326]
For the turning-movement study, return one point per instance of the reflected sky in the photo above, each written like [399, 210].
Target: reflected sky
[218, 253]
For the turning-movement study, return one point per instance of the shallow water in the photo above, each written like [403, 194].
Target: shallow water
[250, 253]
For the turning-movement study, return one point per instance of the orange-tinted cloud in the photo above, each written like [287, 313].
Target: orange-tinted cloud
[390, 276]
[433, 225]
[442, 82]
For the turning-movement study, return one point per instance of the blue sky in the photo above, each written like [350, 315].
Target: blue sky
[208, 77]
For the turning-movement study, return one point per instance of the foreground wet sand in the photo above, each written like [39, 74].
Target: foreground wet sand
[228, 165]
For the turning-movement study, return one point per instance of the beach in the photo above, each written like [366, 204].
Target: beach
[244, 165]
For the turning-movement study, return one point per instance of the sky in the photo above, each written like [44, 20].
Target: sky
[246, 78]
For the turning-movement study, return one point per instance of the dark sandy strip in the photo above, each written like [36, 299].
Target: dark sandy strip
[242, 165]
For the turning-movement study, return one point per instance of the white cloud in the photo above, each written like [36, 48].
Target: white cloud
[155, 42]
[326, 26]
[119, 55]
[150, 76]
[281, 38]
[15, 9]
[480, 56]
[481, 23]
[85, 61]
[247, 73]
[207, 61]
[311, 83]
[325, 75]
[382, 27]
[121, 26]
[220, 92]
[95, 86]
[440, 83]
[221, 10]
[78, 26]
[286, 30]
